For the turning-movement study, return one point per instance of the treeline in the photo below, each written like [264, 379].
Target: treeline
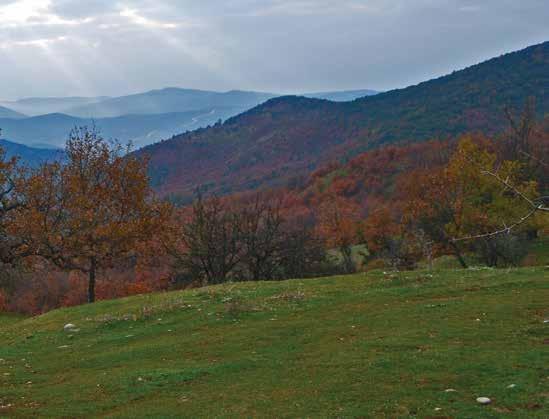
[249, 239]
[95, 218]
[92, 227]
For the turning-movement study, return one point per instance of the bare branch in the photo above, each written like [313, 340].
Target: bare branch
[505, 182]
[539, 161]
[505, 230]
[536, 206]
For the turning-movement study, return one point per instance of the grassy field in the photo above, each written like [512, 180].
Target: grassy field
[369, 345]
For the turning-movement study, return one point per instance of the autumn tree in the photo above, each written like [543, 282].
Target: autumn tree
[339, 225]
[389, 239]
[90, 212]
[460, 200]
[433, 205]
[10, 201]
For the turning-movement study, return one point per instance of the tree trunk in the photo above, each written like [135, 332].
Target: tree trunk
[91, 282]
[349, 265]
[460, 259]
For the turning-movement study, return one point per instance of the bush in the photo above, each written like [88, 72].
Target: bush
[502, 250]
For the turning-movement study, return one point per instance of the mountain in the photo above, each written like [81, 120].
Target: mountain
[9, 113]
[289, 136]
[35, 106]
[169, 100]
[30, 157]
[53, 129]
[342, 96]
[142, 118]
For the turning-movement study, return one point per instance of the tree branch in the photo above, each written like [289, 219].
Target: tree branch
[505, 230]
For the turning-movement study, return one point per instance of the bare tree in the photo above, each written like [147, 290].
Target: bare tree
[262, 238]
[208, 247]
[243, 240]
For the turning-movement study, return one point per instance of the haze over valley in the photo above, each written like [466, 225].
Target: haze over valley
[143, 118]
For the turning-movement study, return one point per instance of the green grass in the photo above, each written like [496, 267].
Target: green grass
[368, 345]
[8, 319]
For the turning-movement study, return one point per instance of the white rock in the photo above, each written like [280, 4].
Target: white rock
[69, 327]
[511, 386]
[450, 390]
[484, 400]
[438, 409]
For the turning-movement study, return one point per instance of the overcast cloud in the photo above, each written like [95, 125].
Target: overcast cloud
[109, 47]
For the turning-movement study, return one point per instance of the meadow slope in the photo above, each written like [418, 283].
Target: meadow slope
[369, 345]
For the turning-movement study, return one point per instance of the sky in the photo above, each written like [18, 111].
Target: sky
[111, 47]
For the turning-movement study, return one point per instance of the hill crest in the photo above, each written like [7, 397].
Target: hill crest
[287, 137]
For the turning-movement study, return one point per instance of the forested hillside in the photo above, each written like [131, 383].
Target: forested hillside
[291, 136]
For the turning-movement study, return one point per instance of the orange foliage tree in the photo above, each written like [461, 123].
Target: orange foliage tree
[10, 201]
[90, 212]
[460, 200]
[338, 223]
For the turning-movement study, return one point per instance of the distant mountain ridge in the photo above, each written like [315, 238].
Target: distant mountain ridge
[169, 100]
[342, 96]
[143, 118]
[10, 113]
[31, 157]
[53, 129]
[35, 106]
[287, 137]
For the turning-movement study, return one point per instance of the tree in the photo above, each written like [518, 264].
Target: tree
[338, 224]
[242, 238]
[90, 212]
[523, 171]
[461, 201]
[433, 205]
[262, 237]
[11, 178]
[303, 255]
[206, 243]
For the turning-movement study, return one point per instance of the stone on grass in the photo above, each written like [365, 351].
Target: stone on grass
[484, 400]
[69, 327]
[450, 390]
[511, 386]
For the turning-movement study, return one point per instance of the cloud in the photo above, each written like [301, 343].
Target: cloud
[62, 47]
